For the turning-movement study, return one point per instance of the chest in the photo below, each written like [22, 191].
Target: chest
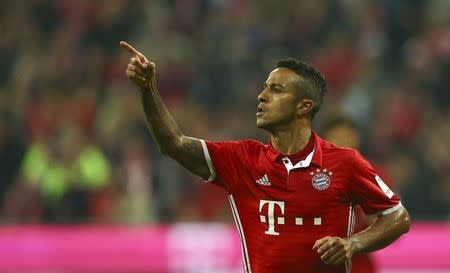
[308, 190]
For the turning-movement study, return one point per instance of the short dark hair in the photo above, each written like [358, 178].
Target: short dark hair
[315, 82]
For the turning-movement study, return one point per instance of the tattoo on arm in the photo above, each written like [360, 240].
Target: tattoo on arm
[192, 157]
[185, 150]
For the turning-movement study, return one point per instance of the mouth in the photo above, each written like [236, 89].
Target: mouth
[259, 111]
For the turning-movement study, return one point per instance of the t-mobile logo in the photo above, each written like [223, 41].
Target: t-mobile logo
[271, 216]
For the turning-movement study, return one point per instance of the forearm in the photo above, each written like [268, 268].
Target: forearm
[187, 151]
[382, 233]
[163, 127]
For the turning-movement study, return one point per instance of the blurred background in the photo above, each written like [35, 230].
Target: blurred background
[74, 147]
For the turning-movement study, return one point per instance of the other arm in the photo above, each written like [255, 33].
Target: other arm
[385, 230]
[185, 150]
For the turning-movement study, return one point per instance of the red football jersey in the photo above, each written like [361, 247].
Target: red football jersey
[283, 204]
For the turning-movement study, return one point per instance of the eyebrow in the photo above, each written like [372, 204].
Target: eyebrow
[274, 84]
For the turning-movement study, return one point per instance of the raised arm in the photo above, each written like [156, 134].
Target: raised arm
[170, 140]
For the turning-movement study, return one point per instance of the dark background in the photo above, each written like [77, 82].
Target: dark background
[74, 147]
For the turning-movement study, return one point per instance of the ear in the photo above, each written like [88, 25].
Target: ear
[305, 106]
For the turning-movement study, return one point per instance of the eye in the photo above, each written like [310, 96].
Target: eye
[277, 88]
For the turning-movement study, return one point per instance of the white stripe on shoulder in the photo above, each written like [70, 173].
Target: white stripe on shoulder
[389, 210]
[208, 161]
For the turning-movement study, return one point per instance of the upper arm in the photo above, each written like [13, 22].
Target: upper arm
[386, 229]
[189, 153]
[369, 191]
[399, 219]
[217, 162]
[398, 215]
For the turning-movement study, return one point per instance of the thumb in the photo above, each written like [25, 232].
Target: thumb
[150, 68]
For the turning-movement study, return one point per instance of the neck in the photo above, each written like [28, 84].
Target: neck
[292, 140]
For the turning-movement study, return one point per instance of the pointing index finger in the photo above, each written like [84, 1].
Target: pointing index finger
[132, 50]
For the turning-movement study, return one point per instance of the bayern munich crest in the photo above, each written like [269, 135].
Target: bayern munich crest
[321, 179]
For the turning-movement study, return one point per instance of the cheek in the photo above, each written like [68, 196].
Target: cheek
[288, 105]
[285, 110]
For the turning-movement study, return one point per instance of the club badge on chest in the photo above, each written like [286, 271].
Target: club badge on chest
[321, 179]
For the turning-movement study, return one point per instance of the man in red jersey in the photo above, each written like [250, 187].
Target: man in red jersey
[293, 198]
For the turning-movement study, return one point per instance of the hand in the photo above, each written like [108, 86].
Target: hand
[334, 250]
[139, 70]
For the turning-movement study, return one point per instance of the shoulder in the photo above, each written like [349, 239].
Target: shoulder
[250, 146]
[252, 143]
[242, 145]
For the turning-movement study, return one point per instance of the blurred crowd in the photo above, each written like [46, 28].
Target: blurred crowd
[74, 146]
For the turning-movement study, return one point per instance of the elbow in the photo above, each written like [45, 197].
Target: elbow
[163, 151]
[171, 148]
[167, 151]
[405, 222]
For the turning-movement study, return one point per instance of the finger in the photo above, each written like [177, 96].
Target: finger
[133, 76]
[340, 260]
[129, 48]
[332, 255]
[329, 252]
[132, 51]
[325, 247]
[138, 63]
[136, 69]
[320, 242]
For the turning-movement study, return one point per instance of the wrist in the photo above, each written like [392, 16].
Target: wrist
[354, 245]
[145, 89]
[149, 87]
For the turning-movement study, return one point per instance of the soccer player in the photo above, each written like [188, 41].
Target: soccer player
[343, 131]
[293, 198]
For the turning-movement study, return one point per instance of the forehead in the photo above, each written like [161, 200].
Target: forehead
[283, 76]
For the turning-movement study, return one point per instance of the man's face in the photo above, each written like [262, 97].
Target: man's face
[278, 101]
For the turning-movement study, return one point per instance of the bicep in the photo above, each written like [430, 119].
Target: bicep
[397, 220]
[400, 214]
[367, 189]
[190, 155]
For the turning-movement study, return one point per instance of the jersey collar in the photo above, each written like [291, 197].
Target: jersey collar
[273, 155]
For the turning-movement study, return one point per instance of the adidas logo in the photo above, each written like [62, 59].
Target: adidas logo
[264, 181]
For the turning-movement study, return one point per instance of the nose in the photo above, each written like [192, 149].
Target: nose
[262, 96]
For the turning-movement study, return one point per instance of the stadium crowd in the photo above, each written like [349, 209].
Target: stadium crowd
[74, 146]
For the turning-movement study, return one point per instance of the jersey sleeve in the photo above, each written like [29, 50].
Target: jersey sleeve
[224, 161]
[369, 191]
